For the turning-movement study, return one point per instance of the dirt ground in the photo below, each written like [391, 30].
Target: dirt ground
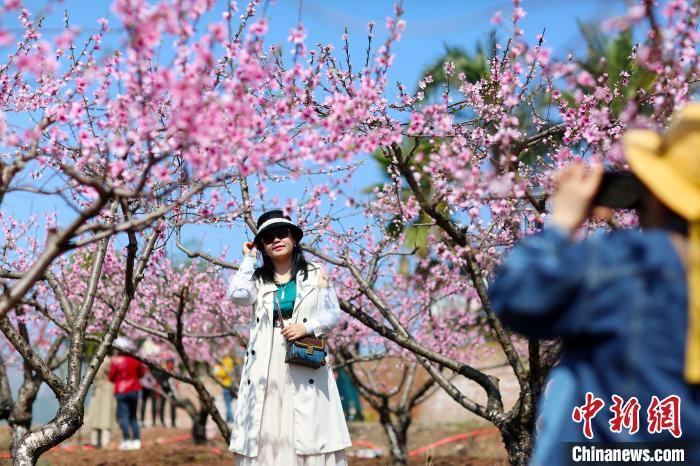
[482, 450]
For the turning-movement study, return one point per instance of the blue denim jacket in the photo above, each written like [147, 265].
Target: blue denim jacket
[619, 301]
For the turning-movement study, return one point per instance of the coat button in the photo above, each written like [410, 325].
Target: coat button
[252, 352]
[311, 381]
[304, 320]
[248, 381]
[257, 320]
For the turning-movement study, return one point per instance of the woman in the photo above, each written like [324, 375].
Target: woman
[286, 414]
[627, 304]
[125, 372]
[100, 416]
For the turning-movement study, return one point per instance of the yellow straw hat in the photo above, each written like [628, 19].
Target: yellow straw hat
[669, 165]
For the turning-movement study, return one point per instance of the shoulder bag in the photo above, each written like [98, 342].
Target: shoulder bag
[305, 351]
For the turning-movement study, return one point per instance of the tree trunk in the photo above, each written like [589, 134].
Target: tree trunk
[19, 430]
[33, 444]
[199, 417]
[20, 419]
[199, 427]
[396, 433]
[5, 392]
[518, 432]
[518, 442]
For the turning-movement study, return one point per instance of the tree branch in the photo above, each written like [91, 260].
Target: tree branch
[118, 317]
[56, 245]
[36, 363]
[197, 254]
[473, 269]
[80, 321]
[412, 345]
[204, 395]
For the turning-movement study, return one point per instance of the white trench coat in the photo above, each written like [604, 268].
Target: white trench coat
[319, 423]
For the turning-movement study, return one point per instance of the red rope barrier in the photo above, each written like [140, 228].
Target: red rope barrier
[362, 443]
[453, 438]
[173, 439]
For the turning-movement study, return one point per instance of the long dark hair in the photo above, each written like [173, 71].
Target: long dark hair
[653, 213]
[266, 272]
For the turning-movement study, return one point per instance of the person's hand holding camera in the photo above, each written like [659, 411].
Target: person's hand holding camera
[576, 189]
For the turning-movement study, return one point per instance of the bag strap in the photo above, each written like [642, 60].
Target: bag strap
[297, 311]
[279, 310]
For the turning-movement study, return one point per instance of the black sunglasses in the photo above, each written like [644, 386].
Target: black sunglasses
[280, 233]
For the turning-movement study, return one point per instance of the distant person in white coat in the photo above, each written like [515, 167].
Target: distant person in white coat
[101, 416]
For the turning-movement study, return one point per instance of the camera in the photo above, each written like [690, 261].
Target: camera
[619, 189]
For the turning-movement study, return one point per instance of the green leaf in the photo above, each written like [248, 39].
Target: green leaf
[417, 237]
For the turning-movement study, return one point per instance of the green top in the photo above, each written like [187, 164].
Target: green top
[286, 295]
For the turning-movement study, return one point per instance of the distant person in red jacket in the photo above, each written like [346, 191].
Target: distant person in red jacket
[125, 373]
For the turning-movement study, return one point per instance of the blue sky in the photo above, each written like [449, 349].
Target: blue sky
[430, 26]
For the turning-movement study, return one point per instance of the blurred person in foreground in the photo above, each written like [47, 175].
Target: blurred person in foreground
[125, 372]
[626, 304]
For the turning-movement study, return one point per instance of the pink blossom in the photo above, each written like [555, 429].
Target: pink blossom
[297, 35]
[89, 192]
[161, 173]
[12, 5]
[218, 31]
[518, 13]
[260, 28]
[584, 78]
[636, 12]
[104, 24]
[417, 122]
[64, 40]
[116, 168]
[6, 38]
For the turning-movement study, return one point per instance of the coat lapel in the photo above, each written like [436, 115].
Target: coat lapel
[304, 287]
[267, 288]
[264, 290]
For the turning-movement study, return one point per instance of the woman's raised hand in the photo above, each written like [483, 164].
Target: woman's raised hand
[247, 247]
